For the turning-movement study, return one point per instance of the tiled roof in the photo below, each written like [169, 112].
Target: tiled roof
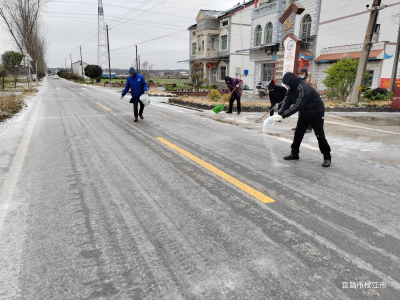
[337, 56]
[211, 13]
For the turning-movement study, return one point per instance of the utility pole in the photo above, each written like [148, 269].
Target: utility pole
[395, 63]
[80, 48]
[65, 60]
[362, 65]
[136, 59]
[72, 71]
[138, 64]
[37, 76]
[109, 63]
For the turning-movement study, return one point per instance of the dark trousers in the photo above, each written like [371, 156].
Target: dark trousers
[234, 97]
[135, 109]
[317, 123]
[273, 103]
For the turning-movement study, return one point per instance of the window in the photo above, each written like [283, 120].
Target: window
[257, 38]
[269, 30]
[194, 45]
[225, 23]
[268, 71]
[305, 26]
[224, 42]
[202, 45]
[222, 74]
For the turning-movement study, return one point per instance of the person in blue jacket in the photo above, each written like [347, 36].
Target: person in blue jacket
[138, 86]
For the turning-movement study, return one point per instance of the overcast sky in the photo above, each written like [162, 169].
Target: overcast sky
[71, 23]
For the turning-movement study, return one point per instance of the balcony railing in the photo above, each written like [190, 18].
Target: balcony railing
[206, 54]
[265, 8]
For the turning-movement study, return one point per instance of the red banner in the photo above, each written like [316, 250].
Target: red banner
[385, 82]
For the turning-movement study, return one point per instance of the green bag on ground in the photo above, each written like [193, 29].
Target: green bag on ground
[218, 108]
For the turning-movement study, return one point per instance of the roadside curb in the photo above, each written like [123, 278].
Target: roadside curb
[246, 108]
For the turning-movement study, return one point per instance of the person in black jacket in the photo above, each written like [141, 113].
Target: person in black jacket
[276, 95]
[304, 99]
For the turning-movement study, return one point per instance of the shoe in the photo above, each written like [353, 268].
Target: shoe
[308, 130]
[136, 120]
[327, 161]
[292, 156]
[238, 113]
[141, 116]
[227, 112]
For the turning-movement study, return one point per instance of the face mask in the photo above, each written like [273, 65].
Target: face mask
[302, 76]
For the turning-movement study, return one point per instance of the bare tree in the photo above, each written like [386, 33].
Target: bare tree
[146, 69]
[22, 18]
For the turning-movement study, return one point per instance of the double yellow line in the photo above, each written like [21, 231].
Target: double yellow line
[232, 180]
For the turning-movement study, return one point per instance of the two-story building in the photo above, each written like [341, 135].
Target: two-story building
[330, 30]
[214, 40]
[267, 33]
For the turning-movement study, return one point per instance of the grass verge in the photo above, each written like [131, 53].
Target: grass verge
[207, 101]
[9, 106]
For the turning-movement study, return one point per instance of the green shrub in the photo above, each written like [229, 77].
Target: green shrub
[225, 97]
[341, 77]
[214, 95]
[379, 94]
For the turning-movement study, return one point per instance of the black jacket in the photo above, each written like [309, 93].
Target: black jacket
[278, 94]
[301, 97]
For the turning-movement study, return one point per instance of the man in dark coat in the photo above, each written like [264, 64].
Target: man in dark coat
[307, 78]
[304, 99]
[276, 95]
[233, 85]
[138, 86]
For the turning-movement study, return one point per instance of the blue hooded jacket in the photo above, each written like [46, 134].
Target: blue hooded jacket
[137, 84]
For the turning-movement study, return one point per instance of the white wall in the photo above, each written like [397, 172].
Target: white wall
[388, 63]
[240, 39]
[351, 30]
[320, 76]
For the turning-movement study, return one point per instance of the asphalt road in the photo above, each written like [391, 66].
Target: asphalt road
[179, 206]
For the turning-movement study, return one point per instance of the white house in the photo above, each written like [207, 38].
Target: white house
[77, 68]
[330, 30]
[341, 31]
[215, 39]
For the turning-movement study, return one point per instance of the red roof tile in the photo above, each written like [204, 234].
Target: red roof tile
[337, 56]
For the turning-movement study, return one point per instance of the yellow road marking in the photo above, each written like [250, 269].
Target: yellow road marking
[82, 94]
[105, 107]
[239, 184]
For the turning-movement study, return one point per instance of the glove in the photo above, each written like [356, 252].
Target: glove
[277, 117]
[237, 85]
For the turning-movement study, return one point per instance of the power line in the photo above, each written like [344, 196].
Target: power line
[152, 12]
[154, 39]
[141, 13]
[112, 18]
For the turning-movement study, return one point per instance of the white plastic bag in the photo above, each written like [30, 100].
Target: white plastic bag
[145, 99]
